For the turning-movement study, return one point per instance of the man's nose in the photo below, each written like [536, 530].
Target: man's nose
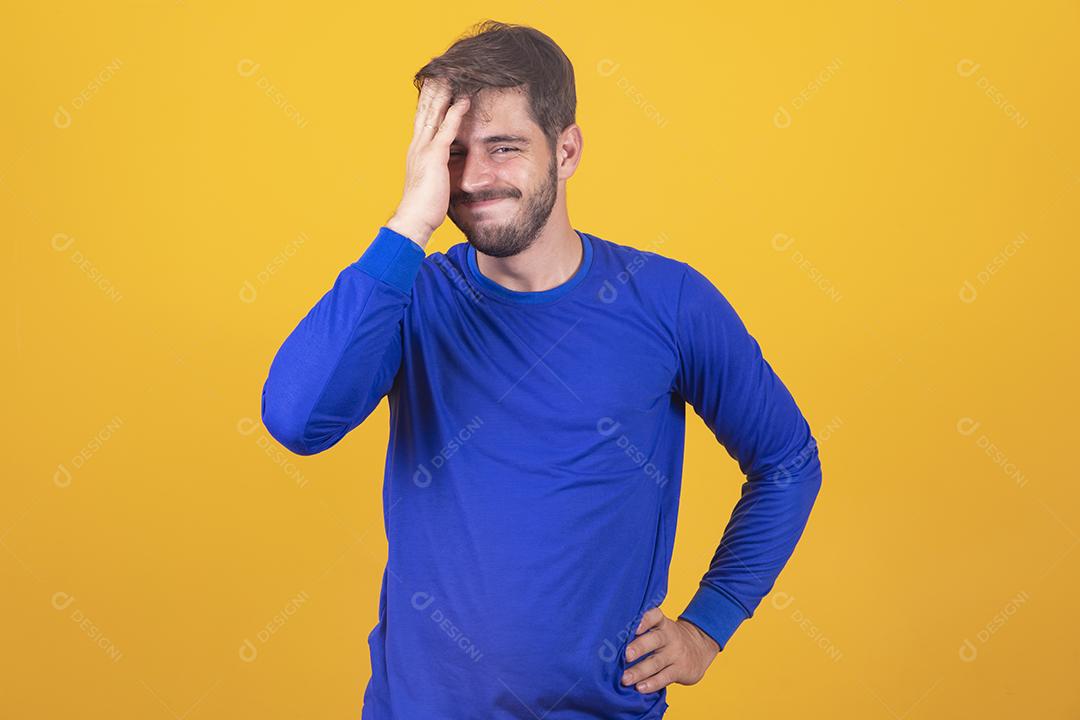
[476, 172]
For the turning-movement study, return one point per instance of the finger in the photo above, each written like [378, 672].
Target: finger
[647, 668]
[424, 105]
[652, 617]
[652, 640]
[430, 115]
[428, 91]
[434, 118]
[452, 121]
[658, 681]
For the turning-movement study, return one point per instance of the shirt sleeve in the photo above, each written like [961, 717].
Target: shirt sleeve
[342, 358]
[723, 375]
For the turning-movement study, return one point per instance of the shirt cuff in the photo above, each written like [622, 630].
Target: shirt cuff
[716, 613]
[392, 258]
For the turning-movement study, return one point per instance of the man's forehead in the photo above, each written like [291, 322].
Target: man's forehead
[497, 117]
[495, 101]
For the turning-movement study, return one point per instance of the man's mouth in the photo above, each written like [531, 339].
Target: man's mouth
[483, 203]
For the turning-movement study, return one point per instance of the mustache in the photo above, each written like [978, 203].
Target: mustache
[480, 197]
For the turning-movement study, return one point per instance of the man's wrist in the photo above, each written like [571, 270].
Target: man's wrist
[715, 612]
[702, 636]
[417, 232]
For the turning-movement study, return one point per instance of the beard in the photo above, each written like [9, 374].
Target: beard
[517, 233]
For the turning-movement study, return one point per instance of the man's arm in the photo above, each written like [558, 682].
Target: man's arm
[342, 358]
[723, 375]
[335, 367]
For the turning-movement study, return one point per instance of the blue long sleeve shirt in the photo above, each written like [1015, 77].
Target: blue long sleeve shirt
[533, 471]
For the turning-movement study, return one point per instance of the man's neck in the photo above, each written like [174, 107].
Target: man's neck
[550, 261]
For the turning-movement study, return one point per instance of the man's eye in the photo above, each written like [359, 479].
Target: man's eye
[509, 149]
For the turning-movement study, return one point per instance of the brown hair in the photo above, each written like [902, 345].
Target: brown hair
[502, 55]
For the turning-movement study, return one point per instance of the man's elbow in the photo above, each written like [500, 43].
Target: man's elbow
[287, 426]
[804, 475]
[801, 466]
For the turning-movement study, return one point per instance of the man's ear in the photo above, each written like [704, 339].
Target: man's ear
[568, 151]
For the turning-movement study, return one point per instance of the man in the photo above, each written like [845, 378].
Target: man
[537, 378]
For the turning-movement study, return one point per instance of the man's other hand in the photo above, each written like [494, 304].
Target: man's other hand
[678, 651]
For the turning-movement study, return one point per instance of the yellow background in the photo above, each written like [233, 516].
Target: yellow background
[886, 191]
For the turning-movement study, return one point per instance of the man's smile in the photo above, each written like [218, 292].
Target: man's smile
[477, 204]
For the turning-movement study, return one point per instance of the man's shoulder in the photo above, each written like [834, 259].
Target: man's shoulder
[650, 258]
[446, 264]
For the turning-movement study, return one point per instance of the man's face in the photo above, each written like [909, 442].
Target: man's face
[501, 156]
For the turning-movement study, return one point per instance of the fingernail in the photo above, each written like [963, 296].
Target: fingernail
[629, 654]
